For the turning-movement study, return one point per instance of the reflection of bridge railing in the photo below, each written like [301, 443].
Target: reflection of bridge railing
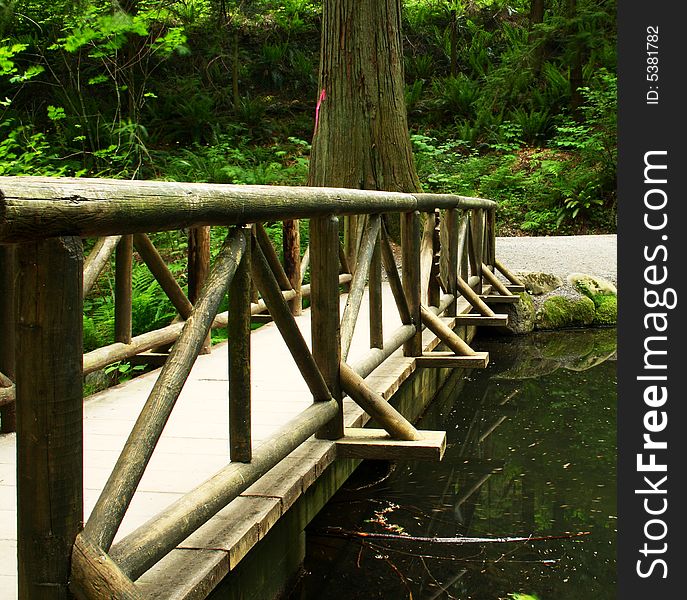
[446, 256]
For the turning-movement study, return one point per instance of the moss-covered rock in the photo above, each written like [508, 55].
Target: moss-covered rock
[589, 285]
[557, 312]
[602, 293]
[520, 316]
[606, 310]
[539, 283]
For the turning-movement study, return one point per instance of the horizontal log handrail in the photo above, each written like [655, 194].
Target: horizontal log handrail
[34, 208]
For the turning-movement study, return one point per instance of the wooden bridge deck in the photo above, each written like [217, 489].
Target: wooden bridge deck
[194, 445]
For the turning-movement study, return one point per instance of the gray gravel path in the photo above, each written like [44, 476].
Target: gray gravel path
[561, 255]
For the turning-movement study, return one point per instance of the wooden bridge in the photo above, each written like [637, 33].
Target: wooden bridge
[182, 471]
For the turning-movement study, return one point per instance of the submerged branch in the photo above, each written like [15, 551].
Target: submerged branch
[345, 533]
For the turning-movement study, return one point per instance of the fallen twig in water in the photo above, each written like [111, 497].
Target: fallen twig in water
[339, 532]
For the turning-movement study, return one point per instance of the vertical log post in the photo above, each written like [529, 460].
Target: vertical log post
[198, 267]
[123, 291]
[324, 297]
[434, 290]
[490, 257]
[350, 241]
[49, 414]
[411, 234]
[452, 276]
[238, 329]
[375, 296]
[7, 323]
[476, 221]
[291, 244]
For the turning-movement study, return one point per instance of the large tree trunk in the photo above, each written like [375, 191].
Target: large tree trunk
[361, 135]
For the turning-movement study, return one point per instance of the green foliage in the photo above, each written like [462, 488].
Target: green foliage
[86, 88]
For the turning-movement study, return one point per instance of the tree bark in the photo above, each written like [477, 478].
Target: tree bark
[361, 132]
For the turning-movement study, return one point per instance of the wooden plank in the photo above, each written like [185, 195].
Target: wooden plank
[452, 233]
[377, 445]
[516, 289]
[434, 288]
[202, 571]
[261, 319]
[324, 295]
[481, 320]
[34, 207]
[438, 360]
[237, 527]
[49, 414]
[238, 331]
[498, 299]
[426, 257]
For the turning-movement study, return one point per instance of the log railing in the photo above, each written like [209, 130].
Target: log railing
[447, 250]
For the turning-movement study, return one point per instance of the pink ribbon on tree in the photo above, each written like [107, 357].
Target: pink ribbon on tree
[323, 96]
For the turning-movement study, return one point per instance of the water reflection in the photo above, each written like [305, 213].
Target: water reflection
[531, 454]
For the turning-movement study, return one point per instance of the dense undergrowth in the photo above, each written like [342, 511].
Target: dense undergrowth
[502, 103]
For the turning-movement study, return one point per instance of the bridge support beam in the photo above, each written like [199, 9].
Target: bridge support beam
[49, 414]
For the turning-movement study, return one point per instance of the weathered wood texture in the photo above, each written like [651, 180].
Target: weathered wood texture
[95, 576]
[109, 510]
[494, 281]
[123, 292]
[326, 334]
[410, 245]
[376, 444]
[238, 331]
[375, 291]
[8, 274]
[97, 260]
[198, 266]
[291, 248]
[434, 360]
[49, 414]
[445, 333]
[473, 298]
[379, 409]
[38, 207]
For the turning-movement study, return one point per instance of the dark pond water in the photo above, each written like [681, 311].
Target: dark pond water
[531, 454]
